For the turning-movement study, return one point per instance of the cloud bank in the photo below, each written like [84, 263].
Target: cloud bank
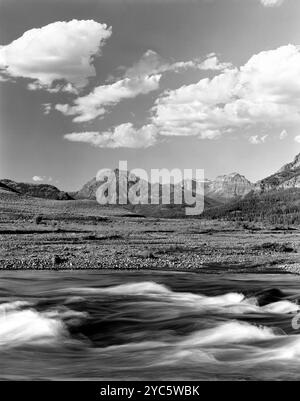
[264, 91]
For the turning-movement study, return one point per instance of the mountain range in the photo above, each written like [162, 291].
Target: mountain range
[275, 198]
[225, 196]
[232, 186]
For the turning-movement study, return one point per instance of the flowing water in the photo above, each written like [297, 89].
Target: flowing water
[148, 325]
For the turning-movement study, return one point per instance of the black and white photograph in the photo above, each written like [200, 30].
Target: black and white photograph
[149, 193]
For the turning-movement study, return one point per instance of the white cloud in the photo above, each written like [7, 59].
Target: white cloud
[265, 92]
[213, 63]
[58, 51]
[256, 139]
[66, 87]
[122, 136]
[142, 78]
[152, 63]
[297, 138]
[283, 134]
[271, 3]
[95, 104]
[38, 178]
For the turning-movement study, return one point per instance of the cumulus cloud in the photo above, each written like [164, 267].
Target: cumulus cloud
[297, 138]
[271, 3]
[95, 104]
[122, 136]
[60, 51]
[213, 63]
[264, 91]
[38, 178]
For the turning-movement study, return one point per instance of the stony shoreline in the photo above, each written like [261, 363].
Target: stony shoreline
[38, 234]
[164, 247]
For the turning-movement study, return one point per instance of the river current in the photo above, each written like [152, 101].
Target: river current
[122, 325]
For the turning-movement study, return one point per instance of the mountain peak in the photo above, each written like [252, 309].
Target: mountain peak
[294, 165]
[229, 186]
[287, 177]
[232, 177]
[296, 162]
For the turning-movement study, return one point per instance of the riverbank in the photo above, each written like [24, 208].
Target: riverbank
[39, 234]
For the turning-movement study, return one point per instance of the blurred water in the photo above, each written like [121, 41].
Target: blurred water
[148, 325]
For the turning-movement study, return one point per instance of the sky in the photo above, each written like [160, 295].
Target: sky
[188, 84]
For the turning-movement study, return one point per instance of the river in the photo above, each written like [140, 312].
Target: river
[123, 325]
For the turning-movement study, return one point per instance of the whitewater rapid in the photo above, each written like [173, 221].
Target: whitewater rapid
[138, 325]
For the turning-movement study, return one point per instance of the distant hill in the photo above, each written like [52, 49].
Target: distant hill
[276, 207]
[169, 211]
[6, 189]
[35, 190]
